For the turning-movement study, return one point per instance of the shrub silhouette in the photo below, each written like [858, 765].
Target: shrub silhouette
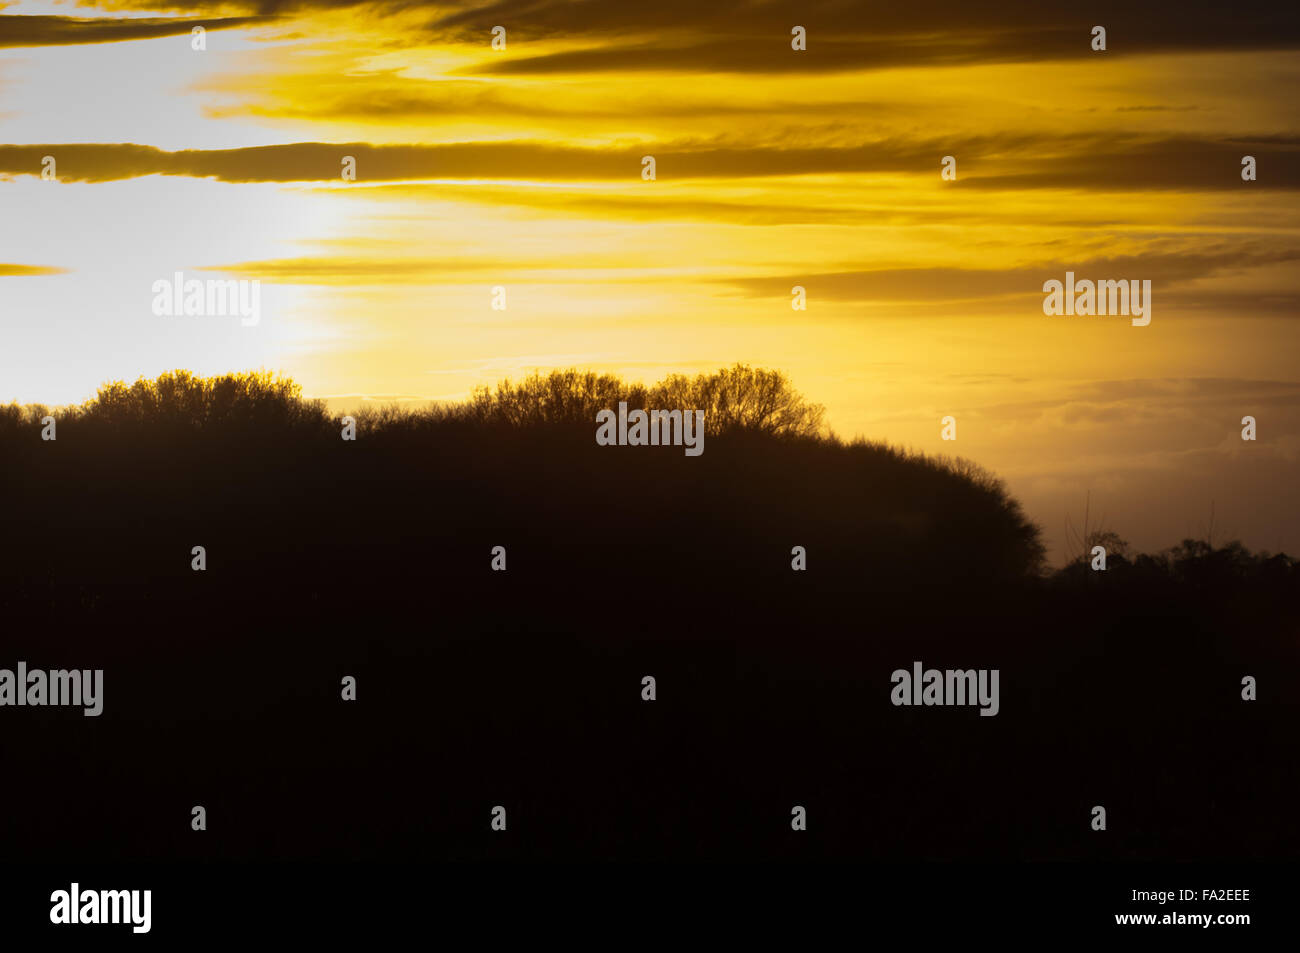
[253, 401]
[767, 451]
[736, 399]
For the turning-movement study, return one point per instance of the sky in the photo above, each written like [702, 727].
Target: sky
[522, 168]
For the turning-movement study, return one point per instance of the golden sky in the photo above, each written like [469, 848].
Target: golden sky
[522, 168]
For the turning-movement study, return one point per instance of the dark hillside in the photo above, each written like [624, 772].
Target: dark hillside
[372, 558]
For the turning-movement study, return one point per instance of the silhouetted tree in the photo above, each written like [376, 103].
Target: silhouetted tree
[735, 399]
[743, 398]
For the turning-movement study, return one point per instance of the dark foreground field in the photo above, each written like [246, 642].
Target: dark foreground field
[522, 688]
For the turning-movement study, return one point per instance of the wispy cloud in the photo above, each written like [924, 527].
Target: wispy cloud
[21, 271]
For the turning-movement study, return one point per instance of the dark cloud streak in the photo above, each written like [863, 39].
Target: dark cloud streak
[1025, 162]
[20, 31]
[741, 36]
[1163, 269]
